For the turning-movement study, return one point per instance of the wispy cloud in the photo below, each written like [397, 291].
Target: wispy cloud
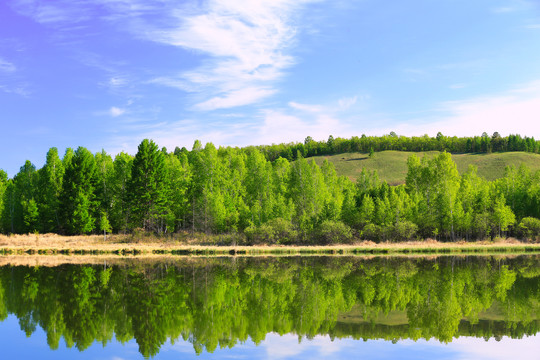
[347, 102]
[280, 126]
[306, 107]
[458, 86]
[17, 89]
[6, 66]
[503, 9]
[60, 12]
[510, 112]
[246, 45]
[115, 111]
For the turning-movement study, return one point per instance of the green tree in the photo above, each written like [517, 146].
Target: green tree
[147, 188]
[78, 198]
[104, 224]
[50, 183]
[178, 182]
[119, 214]
[25, 211]
[3, 188]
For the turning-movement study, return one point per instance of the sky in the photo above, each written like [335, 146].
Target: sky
[105, 74]
[16, 345]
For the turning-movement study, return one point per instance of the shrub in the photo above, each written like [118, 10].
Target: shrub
[332, 232]
[371, 232]
[529, 228]
[404, 230]
[283, 231]
[275, 231]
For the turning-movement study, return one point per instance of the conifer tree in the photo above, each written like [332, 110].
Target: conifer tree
[50, 184]
[121, 176]
[147, 188]
[78, 199]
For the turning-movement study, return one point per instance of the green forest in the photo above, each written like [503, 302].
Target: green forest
[274, 194]
[220, 302]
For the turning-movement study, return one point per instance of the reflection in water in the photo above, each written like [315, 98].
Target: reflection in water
[223, 301]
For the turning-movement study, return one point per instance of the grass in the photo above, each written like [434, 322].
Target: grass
[125, 245]
[392, 165]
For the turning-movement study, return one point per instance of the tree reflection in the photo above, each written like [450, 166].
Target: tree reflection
[221, 302]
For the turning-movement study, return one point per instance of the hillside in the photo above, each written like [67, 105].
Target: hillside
[392, 165]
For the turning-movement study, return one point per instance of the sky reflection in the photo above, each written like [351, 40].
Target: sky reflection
[15, 345]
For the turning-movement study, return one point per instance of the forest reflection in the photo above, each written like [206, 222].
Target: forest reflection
[220, 302]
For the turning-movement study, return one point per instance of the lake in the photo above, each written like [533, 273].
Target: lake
[274, 308]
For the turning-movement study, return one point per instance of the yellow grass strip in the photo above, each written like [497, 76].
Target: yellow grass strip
[53, 244]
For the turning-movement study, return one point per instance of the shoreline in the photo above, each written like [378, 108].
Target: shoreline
[122, 246]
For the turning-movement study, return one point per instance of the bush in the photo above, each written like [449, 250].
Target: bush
[404, 230]
[275, 231]
[371, 232]
[283, 230]
[333, 232]
[529, 228]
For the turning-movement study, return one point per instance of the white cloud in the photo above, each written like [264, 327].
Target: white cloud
[48, 13]
[234, 98]
[477, 349]
[115, 111]
[117, 81]
[458, 86]
[503, 9]
[6, 66]
[346, 103]
[18, 89]
[306, 107]
[512, 112]
[533, 26]
[246, 43]
[279, 127]
[288, 347]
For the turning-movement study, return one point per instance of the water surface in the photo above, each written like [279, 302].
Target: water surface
[274, 308]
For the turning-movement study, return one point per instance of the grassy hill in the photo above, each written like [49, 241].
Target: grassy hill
[392, 165]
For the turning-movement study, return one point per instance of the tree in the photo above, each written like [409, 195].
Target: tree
[104, 224]
[502, 215]
[78, 198]
[120, 209]
[25, 212]
[50, 183]
[147, 188]
[3, 188]
[308, 192]
[178, 181]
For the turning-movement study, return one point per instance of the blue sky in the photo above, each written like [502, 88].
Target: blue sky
[105, 74]
[15, 345]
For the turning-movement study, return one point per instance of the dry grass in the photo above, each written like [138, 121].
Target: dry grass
[119, 246]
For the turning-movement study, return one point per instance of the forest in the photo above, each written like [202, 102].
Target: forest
[224, 302]
[256, 196]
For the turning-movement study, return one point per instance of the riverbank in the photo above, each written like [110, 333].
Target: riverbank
[125, 245]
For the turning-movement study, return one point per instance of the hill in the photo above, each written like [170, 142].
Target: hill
[392, 165]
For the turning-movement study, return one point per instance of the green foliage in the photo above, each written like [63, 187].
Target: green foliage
[275, 231]
[332, 232]
[3, 188]
[529, 228]
[404, 230]
[51, 177]
[104, 224]
[147, 188]
[223, 302]
[78, 198]
[232, 190]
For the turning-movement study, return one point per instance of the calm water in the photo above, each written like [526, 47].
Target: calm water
[274, 308]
